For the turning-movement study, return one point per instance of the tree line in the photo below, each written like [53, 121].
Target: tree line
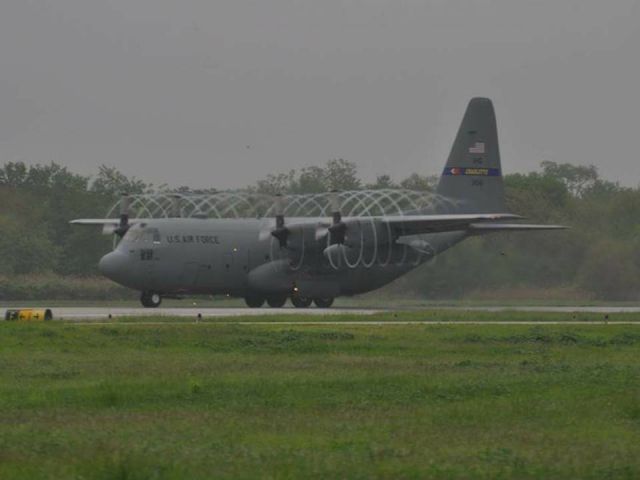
[599, 257]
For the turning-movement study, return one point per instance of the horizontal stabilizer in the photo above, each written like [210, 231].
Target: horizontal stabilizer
[480, 228]
[421, 224]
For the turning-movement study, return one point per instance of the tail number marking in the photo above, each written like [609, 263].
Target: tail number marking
[472, 171]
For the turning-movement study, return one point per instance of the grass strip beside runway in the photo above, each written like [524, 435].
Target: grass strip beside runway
[398, 401]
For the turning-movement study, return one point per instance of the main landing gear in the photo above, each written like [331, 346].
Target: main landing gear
[301, 302]
[150, 299]
[255, 301]
[277, 302]
[323, 302]
[298, 301]
[305, 302]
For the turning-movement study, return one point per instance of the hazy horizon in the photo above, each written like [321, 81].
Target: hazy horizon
[219, 95]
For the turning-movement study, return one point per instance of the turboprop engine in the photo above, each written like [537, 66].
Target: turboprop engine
[360, 244]
[345, 243]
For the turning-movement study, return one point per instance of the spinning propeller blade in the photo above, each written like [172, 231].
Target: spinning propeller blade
[123, 225]
[176, 206]
[280, 232]
[338, 229]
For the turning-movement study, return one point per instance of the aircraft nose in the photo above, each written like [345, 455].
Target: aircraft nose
[113, 265]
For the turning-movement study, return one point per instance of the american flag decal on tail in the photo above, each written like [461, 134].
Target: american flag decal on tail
[477, 147]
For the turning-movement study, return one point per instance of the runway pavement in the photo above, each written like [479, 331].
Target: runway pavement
[101, 313]
[97, 314]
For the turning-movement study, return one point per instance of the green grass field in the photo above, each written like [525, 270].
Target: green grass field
[208, 400]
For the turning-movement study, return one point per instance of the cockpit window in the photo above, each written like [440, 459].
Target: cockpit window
[143, 235]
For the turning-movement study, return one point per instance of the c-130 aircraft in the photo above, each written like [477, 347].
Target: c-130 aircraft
[313, 260]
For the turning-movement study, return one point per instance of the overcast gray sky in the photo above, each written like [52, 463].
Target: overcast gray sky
[221, 92]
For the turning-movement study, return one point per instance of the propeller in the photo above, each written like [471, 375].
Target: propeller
[337, 233]
[176, 210]
[123, 225]
[338, 229]
[280, 232]
[323, 229]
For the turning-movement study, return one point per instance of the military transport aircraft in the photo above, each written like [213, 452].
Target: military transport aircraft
[314, 260]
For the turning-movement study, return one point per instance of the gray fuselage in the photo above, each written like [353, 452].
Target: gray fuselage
[179, 256]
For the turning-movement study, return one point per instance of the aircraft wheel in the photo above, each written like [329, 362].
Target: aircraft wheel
[323, 302]
[276, 302]
[254, 301]
[301, 302]
[150, 299]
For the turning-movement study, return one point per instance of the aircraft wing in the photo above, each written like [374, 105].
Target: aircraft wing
[108, 224]
[95, 221]
[421, 224]
[104, 221]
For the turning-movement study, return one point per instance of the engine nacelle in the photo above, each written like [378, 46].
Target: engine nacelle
[336, 254]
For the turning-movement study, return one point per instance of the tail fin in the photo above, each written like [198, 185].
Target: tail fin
[473, 175]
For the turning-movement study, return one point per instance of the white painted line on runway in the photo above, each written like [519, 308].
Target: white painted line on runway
[547, 309]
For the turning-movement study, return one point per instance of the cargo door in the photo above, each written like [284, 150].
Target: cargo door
[235, 265]
[188, 275]
[201, 276]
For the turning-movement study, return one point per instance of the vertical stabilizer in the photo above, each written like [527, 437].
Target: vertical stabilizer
[473, 174]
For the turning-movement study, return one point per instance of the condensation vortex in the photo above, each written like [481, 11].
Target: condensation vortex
[242, 204]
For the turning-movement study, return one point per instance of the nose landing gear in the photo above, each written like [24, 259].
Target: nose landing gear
[150, 299]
